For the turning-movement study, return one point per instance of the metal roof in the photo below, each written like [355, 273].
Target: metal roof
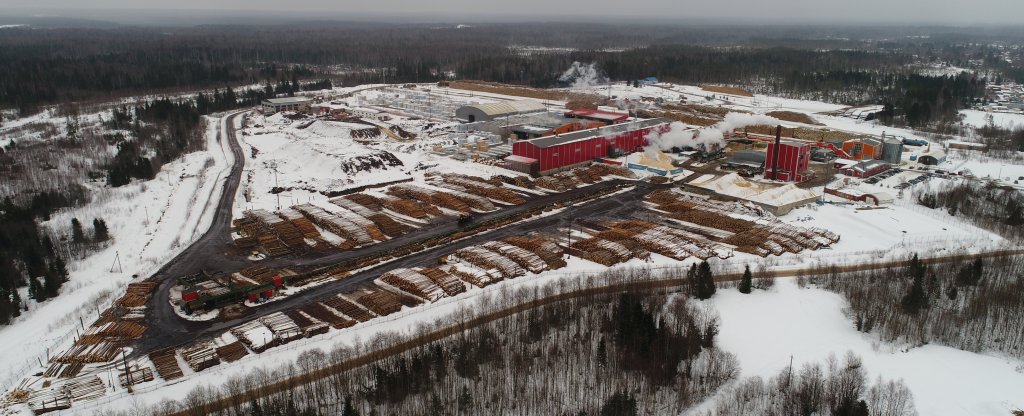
[867, 165]
[509, 107]
[606, 131]
[597, 114]
[288, 100]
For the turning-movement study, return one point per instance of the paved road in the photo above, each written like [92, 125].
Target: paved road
[210, 252]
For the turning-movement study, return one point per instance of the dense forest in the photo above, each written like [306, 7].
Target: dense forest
[39, 67]
[973, 305]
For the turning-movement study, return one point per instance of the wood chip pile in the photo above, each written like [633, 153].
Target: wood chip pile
[166, 364]
[200, 356]
[414, 283]
[285, 330]
[485, 189]
[488, 260]
[348, 309]
[451, 285]
[524, 258]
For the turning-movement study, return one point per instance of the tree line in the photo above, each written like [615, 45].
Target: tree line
[973, 305]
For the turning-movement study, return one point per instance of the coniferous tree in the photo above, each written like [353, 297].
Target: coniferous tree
[747, 282]
[77, 235]
[915, 299]
[705, 282]
[100, 230]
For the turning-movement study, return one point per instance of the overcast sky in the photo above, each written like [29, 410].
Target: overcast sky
[967, 12]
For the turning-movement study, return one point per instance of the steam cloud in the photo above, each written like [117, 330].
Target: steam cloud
[678, 136]
[582, 76]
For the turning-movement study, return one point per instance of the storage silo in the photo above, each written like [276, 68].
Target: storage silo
[892, 151]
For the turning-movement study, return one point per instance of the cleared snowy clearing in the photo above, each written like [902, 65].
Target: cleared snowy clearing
[809, 325]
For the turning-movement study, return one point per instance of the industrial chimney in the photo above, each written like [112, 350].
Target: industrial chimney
[775, 154]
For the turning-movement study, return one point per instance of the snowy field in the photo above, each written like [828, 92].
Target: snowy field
[765, 329]
[979, 118]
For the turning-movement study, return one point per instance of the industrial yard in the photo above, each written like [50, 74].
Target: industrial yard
[348, 207]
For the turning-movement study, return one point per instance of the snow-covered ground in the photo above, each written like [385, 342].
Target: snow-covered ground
[979, 118]
[150, 223]
[766, 329]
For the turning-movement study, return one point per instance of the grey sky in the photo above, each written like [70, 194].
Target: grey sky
[973, 12]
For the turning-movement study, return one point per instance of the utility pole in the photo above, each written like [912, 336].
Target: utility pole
[117, 262]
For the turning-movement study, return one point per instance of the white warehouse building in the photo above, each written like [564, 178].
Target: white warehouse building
[276, 105]
[493, 111]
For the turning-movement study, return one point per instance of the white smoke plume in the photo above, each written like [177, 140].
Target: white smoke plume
[678, 134]
[583, 76]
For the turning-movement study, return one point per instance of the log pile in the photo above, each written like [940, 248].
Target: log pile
[351, 205]
[232, 352]
[409, 207]
[260, 274]
[451, 285]
[200, 356]
[488, 260]
[285, 330]
[325, 314]
[62, 370]
[412, 282]
[166, 364]
[429, 196]
[336, 224]
[48, 400]
[301, 223]
[601, 251]
[369, 225]
[389, 226]
[604, 169]
[520, 181]
[523, 258]
[85, 389]
[113, 332]
[367, 201]
[254, 335]
[348, 309]
[551, 184]
[485, 189]
[476, 202]
[137, 294]
[137, 375]
[99, 352]
[308, 325]
[544, 248]
[381, 302]
[475, 277]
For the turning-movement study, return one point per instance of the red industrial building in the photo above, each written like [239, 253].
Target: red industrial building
[550, 154]
[790, 162]
[606, 117]
[866, 169]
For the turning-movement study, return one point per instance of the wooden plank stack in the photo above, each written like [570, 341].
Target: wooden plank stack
[200, 356]
[166, 364]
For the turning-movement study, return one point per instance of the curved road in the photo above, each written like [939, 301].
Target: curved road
[210, 251]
